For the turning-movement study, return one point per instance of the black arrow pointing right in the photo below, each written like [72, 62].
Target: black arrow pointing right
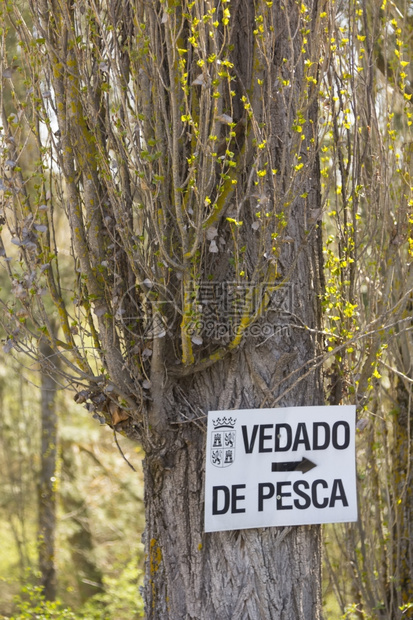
[303, 466]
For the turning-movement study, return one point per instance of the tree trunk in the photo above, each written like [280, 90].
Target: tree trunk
[82, 547]
[270, 573]
[401, 591]
[47, 481]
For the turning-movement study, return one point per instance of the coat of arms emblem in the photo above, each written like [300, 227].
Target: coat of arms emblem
[223, 442]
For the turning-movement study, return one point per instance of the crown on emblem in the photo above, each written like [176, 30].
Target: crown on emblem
[224, 422]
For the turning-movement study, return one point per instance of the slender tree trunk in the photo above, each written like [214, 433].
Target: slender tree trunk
[401, 591]
[47, 481]
[81, 543]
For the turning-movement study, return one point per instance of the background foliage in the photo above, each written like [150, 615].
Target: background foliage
[100, 510]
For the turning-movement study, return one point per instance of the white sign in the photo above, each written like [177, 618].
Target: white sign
[274, 467]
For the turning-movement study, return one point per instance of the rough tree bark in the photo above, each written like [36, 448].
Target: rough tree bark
[264, 573]
[47, 479]
[402, 553]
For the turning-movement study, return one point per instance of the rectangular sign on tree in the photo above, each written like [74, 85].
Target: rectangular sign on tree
[277, 467]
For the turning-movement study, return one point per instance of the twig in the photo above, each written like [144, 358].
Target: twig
[120, 450]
